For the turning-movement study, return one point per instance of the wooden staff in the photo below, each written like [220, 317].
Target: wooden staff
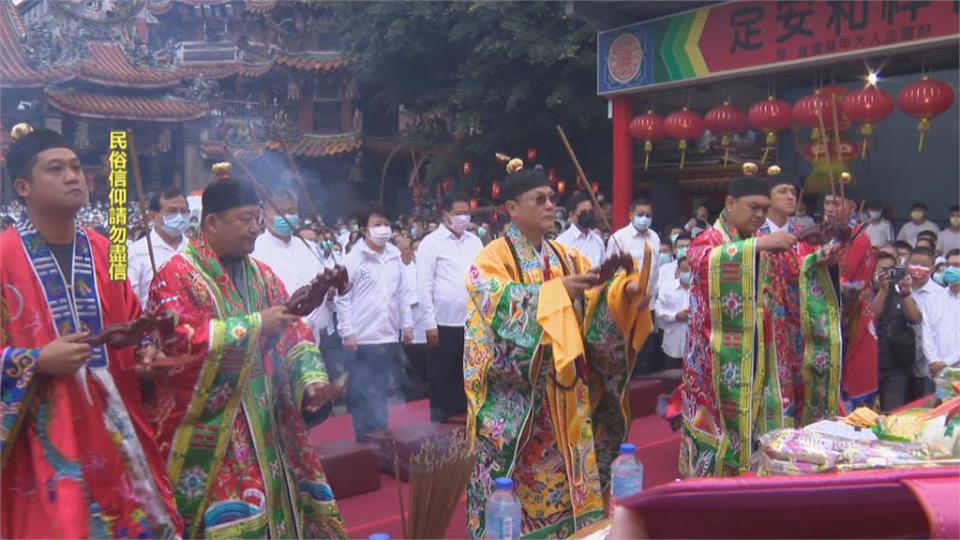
[138, 182]
[296, 174]
[273, 206]
[826, 150]
[583, 177]
[836, 137]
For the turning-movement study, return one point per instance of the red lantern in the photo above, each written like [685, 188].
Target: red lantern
[467, 168]
[647, 128]
[532, 156]
[868, 107]
[562, 186]
[473, 204]
[810, 111]
[552, 177]
[835, 95]
[925, 99]
[495, 189]
[726, 120]
[447, 184]
[683, 125]
[771, 116]
[416, 191]
[595, 186]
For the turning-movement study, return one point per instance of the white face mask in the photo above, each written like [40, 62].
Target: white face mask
[459, 223]
[381, 234]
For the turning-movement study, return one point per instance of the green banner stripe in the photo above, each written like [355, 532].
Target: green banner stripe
[684, 66]
[660, 71]
[666, 49]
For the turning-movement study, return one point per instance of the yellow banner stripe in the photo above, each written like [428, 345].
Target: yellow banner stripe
[692, 48]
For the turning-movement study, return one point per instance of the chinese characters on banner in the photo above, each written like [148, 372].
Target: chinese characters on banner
[118, 205]
[741, 36]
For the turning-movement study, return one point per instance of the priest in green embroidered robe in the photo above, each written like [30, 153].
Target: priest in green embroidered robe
[230, 423]
[744, 373]
[548, 356]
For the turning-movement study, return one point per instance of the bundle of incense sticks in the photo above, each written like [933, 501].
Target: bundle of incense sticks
[439, 472]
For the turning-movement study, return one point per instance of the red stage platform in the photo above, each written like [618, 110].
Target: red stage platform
[378, 511]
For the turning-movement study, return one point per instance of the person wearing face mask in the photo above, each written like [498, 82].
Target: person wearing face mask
[636, 238]
[673, 314]
[443, 258]
[668, 272]
[580, 235]
[949, 238]
[950, 332]
[897, 314]
[932, 299]
[918, 222]
[372, 316]
[293, 260]
[171, 219]
[878, 229]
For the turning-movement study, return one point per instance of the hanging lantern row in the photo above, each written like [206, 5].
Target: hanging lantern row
[833, 106]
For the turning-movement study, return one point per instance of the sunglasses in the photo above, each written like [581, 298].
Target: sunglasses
[542, 199]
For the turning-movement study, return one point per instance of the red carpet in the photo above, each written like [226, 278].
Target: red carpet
[379, 511]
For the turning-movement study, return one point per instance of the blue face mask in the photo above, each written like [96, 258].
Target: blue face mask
[176, 224]
[673, 238]
[685, 278]
[281, 225]
[642, 223]
[951, 275]
[481, 231]
[664, 258]
[682, 252]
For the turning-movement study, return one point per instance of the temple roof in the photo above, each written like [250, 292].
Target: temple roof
[309, 145]
[15, 71]
[165, 109]
[108, 65]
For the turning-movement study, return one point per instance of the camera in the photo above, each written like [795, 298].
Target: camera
[896, 273]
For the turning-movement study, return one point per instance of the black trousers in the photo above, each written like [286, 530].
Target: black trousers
[415, 382]
[445, 375]
[370, 368]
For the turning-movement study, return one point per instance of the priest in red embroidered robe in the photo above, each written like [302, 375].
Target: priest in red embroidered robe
[860, 349]
[732, 392]
[79, 457]
[231, 424]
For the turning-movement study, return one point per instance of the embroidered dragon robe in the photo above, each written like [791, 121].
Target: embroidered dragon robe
[763, 350]
[229, 425]
[79, 457]
[546, 382]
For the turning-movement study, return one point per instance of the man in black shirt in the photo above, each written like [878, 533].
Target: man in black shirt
[896, 311]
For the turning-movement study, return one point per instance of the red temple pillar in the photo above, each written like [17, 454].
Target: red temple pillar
[622, 159]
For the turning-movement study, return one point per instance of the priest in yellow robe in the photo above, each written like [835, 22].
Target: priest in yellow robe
[548, 355]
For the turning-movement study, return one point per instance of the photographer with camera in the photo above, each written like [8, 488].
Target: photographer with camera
[896, 312]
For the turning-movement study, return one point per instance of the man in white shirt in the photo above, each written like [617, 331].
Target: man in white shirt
[415, 385]
[641, 241]
[918, 222]
[949, 238]
[878, 229]
[580, 234]
[443, 258]
[673, 313]
[371, 316]
[929, 298]
[636, 237]
[293, 260]
[171, 218]
[949, 312]
[668, 272]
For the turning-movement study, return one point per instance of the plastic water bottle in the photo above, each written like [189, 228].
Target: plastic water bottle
[503, 512]
[626, 473]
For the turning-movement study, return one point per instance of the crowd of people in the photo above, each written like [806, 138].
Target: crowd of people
[519, 325]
